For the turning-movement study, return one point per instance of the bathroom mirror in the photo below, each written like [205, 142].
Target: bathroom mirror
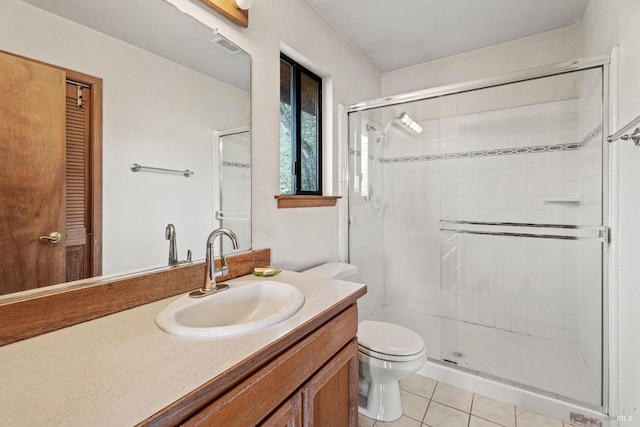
[170, 87]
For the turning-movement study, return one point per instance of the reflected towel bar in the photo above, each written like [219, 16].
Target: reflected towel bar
[622, 133]
[241, 216]
[595, 233]
[136, 167]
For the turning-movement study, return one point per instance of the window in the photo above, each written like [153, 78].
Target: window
[300, 129]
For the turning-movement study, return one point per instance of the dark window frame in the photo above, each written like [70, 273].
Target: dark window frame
[296, 150]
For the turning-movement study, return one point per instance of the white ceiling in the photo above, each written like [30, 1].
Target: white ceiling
[160, 28]
[395, 34]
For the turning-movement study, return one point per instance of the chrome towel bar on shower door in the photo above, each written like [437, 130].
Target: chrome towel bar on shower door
[596, 233]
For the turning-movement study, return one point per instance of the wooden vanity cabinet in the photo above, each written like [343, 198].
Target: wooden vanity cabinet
[289, 414]
[313, 383]
[330, 397]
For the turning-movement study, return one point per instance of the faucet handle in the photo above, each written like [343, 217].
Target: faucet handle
[223, 269]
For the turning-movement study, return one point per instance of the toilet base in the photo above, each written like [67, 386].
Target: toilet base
[382, 402]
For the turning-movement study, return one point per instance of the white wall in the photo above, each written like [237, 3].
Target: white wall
[541, 49]
[156, 113]
[298, 238]
[608, 23]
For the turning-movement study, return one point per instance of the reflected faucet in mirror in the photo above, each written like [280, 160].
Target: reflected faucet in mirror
[170, 235]
[211, 272]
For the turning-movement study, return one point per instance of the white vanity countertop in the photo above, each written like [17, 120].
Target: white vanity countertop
[121, 369]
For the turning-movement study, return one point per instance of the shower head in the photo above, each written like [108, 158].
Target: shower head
[406, 121]
[401, 119]
[379, 136]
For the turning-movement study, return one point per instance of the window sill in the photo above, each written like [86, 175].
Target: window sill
[290, 201]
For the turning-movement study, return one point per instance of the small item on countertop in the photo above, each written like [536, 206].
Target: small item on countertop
[266, 271]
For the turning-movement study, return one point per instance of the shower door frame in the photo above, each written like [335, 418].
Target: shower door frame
[602, 62]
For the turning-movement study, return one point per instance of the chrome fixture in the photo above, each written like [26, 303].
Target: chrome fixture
[379, 135]
[518, 76]
[237, 215]
[137, 167]
[596, 233]
[622, 133]
[406, 121]
[170, 235]
[210, 285]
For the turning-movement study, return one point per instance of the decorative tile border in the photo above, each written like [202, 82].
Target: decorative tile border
[497, 152]
[236, 164]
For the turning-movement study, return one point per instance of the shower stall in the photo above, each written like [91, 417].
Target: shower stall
[478, 216]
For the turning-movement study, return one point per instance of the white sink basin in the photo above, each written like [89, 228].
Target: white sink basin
[237, 310]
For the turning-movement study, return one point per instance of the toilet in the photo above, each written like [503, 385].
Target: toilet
[387, 353]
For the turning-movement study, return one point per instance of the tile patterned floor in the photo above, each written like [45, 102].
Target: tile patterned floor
[429, 403]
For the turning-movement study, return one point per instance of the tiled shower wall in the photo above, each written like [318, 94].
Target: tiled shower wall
[539, 163]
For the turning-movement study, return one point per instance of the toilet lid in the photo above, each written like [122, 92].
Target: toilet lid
[388, 338]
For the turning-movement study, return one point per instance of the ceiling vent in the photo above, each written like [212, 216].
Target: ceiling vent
[225, 43]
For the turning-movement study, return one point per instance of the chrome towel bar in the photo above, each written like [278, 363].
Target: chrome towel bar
[596, 233]
[244, 216]
[622, 133]
[136, 167]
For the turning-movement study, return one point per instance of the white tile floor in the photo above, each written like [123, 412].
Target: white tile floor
[429, 403]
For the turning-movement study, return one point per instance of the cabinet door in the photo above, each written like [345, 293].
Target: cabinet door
[289, 414]
[330, 397]
[258, 396]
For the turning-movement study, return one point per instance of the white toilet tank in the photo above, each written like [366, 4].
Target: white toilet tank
[333, 270]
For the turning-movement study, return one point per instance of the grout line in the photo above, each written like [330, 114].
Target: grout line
[427, 410]
[473, 400]
[469, 413]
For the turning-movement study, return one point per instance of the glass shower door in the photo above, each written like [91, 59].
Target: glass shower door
[523, 234]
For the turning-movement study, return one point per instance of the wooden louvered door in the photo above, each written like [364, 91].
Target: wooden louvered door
[78, 180]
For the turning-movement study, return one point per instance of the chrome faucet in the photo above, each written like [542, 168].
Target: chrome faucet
[210, 286]
[170, 235]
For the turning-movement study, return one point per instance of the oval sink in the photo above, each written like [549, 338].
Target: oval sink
[235, 311]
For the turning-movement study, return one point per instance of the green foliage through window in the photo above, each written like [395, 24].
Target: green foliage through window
[300, 129]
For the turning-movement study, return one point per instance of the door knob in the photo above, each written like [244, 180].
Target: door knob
[54, 237]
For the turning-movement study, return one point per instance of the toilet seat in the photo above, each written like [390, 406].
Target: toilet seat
[387, 341]
[390, 358]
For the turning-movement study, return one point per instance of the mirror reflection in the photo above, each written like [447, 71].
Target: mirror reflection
[172, 90]
[235, 174]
